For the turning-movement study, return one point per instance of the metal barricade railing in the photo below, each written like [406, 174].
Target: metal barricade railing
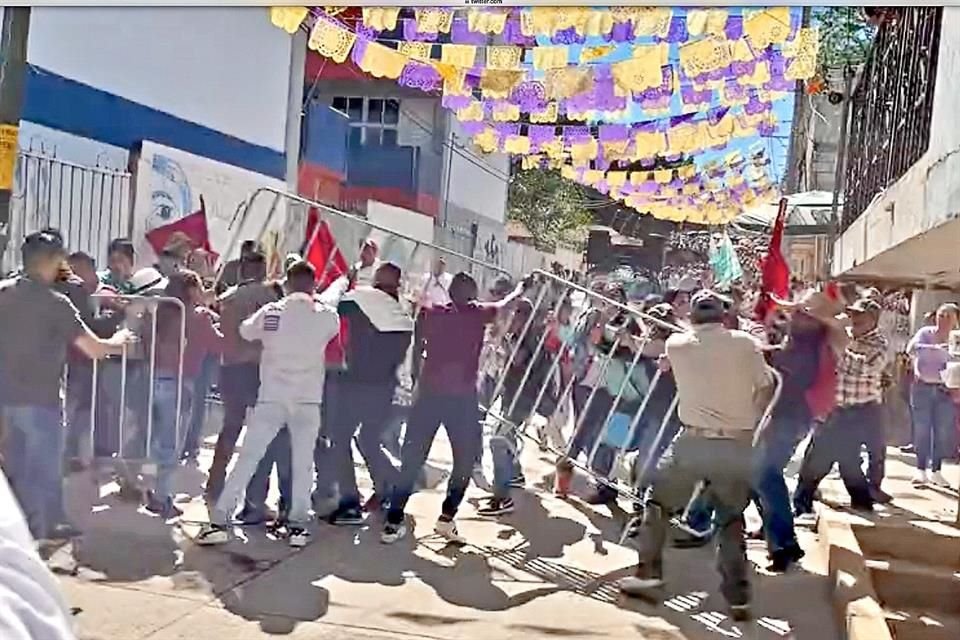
[608, 427]
[415, 257]
[90, 205]
[123, 388]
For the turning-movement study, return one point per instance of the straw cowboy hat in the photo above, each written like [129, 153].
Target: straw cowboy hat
[179, 244]
[815, 304]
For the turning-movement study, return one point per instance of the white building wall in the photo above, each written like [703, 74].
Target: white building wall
[225, 68]
[478, 182]
[915, 214]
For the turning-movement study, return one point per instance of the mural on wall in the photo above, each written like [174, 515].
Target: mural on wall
[172, 198]
[170, 183]
[491, 250]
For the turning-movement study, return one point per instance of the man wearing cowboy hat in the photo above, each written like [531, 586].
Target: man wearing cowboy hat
[857, 417]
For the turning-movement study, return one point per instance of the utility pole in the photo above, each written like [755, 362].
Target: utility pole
[795, 173]
[840, 173]
[13, 71]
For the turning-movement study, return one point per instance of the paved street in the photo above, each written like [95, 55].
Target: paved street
[545, 571]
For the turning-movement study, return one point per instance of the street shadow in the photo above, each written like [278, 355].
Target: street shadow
[689, 606]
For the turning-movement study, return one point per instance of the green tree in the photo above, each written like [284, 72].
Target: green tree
[845, 36]
[551, 207]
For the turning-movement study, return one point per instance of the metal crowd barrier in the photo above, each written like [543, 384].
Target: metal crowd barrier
[121, 409]
[415, 257]
[624, 439]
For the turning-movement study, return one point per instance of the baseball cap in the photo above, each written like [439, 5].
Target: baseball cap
[865, 305]
[706, 301]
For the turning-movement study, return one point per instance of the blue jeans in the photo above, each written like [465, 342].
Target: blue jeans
[934, 418]
[504, 448]
[198, 405]
[460, 416]
[33, 461]
[77, 411]
[769, 487]
[165, 438]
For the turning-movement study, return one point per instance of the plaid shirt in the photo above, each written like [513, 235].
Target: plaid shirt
[860, 370]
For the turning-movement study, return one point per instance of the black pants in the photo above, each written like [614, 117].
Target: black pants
[838, 440]
[367, 406]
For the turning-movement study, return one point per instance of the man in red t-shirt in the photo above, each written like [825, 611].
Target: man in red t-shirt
[446, 394]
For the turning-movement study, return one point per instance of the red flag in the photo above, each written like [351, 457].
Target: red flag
[193, 227]
[322, 252]
[774, 270]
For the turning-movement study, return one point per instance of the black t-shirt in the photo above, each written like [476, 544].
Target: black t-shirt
[36, 326]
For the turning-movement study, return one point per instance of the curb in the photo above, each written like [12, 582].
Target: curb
[855, 599]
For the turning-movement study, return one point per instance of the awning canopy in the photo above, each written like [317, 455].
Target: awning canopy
[810, 209]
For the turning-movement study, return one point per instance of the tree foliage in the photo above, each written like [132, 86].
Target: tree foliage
[551, 207]
[845, 36]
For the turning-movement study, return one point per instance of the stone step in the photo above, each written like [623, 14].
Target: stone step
[909, 585]
[923, 542]
[922, 624]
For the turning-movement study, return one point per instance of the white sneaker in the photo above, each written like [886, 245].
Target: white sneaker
[392, 533]
[936, 478]
[212, 534]
[634, 586]
[298, 537]
[920, 478]
[447, 529]
[807, 520]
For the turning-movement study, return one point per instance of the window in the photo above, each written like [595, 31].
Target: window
[373, 121]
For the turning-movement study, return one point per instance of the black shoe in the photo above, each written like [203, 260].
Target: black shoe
[64, 531]
[880, 496]
[741, 612]
[496, 507]
[346, 517]
[908, 449]
[601, 497]
[781, 560]
[865, 506]
[256, 517]
[162, 507]
[518, 482]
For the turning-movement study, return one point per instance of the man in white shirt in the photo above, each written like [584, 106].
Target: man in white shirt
[361, 274]
[294, 332]
[435, 291]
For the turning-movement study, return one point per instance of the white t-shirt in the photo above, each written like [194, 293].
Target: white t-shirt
[31, 606]
[435, 292]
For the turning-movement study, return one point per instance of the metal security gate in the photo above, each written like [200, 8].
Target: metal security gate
[89, 205]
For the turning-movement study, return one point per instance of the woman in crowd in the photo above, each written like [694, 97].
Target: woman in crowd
[171, 385]
[932, 407]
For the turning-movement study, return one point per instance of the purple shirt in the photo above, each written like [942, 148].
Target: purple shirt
[929, 359]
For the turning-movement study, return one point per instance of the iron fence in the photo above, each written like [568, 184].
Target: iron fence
[892, 106]
[90, 205]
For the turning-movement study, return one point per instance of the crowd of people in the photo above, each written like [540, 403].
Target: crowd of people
[310, 370]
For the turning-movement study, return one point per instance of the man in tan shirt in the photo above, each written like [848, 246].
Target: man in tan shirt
[721, 381]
